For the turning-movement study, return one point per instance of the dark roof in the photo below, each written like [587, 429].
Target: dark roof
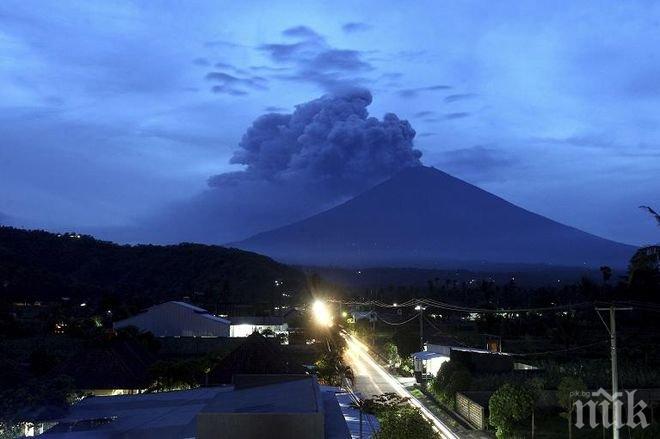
[300, 395]
[119, 365]
[445, 340]
[256, 355]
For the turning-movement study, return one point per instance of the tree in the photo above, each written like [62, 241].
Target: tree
[392, 354]
[510, 404]
[606, 272]
[405, 423]
[452, 377]
[567, 393]
[653, 213]
[332, 371]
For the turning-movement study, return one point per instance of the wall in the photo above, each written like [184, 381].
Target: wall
[245, 329]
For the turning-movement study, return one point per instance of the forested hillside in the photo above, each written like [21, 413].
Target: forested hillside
[37, 265]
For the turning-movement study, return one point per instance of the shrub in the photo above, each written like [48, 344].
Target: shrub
[452, 377]
[405, 423]
[406, 368]
[566, 394]
[510, 404]
[392, 354]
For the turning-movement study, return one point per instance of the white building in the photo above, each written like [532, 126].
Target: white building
[244, 326]
[178, 319]
[427, 362]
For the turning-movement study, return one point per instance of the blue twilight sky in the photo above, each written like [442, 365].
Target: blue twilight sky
[113, 112]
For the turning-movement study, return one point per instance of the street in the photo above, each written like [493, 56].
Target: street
[372, 379]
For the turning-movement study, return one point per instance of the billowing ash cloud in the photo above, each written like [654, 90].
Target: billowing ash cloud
[298, 164]
[331, 140]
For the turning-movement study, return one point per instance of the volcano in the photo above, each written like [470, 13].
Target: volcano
[423, 217]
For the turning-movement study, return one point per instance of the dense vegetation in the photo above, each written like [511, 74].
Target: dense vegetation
[37, 265]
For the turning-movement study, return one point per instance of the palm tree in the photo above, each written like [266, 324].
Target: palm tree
[653, 213]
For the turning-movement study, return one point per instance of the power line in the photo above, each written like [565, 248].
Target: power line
[396, 323]
[559, 350]
[447, 306]
[575, 348]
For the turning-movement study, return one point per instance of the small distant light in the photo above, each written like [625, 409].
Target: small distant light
[83, 304]
[395, 304]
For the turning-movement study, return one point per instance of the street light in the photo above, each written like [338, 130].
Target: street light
[321, 313]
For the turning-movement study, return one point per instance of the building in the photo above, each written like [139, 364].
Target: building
[276, 406]
[243, 326]
[177, 319]
[427, 363]
[257, 355]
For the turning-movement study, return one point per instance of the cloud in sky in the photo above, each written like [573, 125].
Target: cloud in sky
[301, 32]
[274, 109]
[354, 27]
[233, 85]
[414, 92]
[478, 163]
[314, 60]
[457, 115]
[459, 97]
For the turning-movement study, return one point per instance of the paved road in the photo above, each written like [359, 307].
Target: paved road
[371, 379]
[368, 380]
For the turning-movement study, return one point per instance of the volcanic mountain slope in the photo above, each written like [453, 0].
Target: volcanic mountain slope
[425, 217]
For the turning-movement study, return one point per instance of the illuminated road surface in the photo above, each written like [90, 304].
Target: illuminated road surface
[371, 379]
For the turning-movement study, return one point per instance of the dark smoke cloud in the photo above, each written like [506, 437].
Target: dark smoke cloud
[328, 140]
[298, 164]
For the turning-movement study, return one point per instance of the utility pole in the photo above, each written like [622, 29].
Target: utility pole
[616, 413]
[420, 308]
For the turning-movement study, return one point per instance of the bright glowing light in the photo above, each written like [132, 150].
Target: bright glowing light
[344, 314]
[322, 314]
